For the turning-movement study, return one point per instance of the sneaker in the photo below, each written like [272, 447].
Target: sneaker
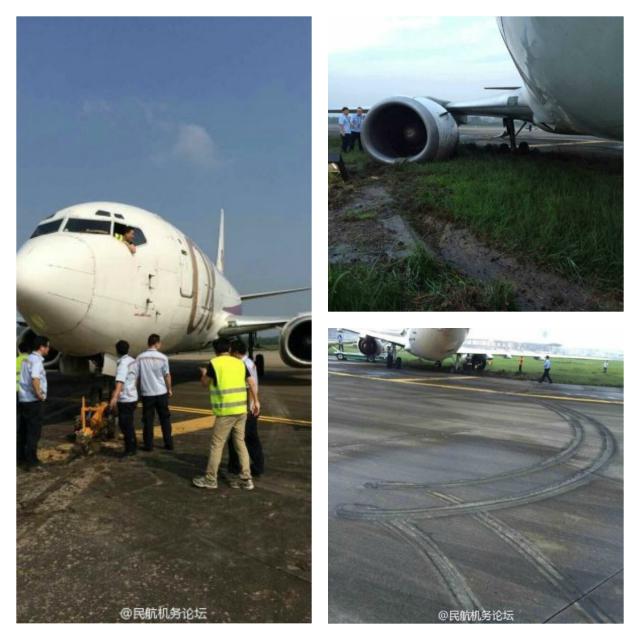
[205, 483]
[247, 485]
[234, 483]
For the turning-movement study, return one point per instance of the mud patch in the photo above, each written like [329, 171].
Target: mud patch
[369, 230]
[535, 289]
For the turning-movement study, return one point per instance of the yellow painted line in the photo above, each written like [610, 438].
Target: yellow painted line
[456, 387]
[272, 419]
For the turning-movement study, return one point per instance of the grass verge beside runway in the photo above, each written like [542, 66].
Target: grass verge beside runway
[561, 213]
[563, 371]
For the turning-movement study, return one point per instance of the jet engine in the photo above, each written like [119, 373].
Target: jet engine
[295, 342]
[403, 129]
[370, 347]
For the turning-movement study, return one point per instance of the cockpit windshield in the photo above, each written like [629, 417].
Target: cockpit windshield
[78, 225]
[46, 227]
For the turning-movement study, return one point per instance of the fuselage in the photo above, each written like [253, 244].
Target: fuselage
[572, 68]
[435, 344]
[82, 287]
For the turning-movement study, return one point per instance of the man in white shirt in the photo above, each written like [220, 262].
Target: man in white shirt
[155, 388]
[356, 127]
[344, 124]
[547, 370]
[32, 392]
[125, 396]
[251, 438]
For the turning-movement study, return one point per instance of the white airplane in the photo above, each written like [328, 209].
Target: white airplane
[83, 288]
[429, 344]
[572, 71]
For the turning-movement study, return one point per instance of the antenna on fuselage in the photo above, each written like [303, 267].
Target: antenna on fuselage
[220, 260]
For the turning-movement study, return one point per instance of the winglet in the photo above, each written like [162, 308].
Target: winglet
[220, 260]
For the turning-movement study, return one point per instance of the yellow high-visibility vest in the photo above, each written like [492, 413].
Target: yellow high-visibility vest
[229, 396]
[19, 360]
[118, 236]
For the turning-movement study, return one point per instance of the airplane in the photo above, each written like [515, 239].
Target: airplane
[428, 344]
[83, 288]
[433, 345]
[572, 72]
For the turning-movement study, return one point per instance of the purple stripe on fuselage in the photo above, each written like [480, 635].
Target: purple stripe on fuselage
[237, 310]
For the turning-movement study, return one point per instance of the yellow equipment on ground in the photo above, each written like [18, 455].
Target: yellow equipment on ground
[94, 423]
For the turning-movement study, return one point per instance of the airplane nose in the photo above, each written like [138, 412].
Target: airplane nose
[54, 282]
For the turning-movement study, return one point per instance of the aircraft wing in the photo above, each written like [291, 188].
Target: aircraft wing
[268, 294]
[238, 325]
[514, 104]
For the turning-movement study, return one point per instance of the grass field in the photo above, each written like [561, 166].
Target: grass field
[562, 213]
[416, 283]
[563, 370]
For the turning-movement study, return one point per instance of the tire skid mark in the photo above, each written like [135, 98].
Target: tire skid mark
[561, 456]
[462, 595]
[540, 562]
[583, 476]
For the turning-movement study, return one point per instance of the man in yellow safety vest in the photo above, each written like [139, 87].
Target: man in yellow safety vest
[227, 379]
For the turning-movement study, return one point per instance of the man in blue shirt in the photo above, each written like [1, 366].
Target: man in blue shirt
[344, 125]
[356, 127]
[32, 392]
[155, 388]
[547, 370]
[125, 396]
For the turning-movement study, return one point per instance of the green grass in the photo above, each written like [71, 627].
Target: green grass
[560, 212]
[416, 283]
[563, 370]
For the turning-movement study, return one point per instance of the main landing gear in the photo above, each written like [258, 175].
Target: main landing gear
[511, 133]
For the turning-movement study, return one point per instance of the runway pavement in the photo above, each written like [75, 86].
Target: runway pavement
[101, 535]
[455, 498]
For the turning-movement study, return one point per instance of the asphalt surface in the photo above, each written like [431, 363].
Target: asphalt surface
[99, 534]
[458, 498]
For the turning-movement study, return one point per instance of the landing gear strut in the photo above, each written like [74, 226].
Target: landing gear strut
[510, 130]
[259, 359]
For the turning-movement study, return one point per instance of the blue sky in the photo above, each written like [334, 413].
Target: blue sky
[446, 57]
[181, 116]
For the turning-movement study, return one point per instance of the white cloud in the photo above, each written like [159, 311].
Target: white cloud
[195, 145]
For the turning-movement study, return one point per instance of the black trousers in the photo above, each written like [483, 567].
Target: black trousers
[254, 447]
[346, 142]
[30, 415]
[355, 137]
[125, 419]
[150, 406]
[546, 376]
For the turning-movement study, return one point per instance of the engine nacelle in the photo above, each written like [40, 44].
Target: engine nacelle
[295, 342]
[403, 129]
[369, 346]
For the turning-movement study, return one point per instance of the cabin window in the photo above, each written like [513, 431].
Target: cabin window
[78, 225]
[138, 238]
[103, 213]
[46, 227]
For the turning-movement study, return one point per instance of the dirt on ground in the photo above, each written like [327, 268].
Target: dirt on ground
[366, 225]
